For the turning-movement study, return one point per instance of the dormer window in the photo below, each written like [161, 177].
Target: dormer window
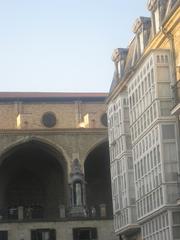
[119, 58]
[141, 28]
[170, 5]
[157, 20]
[119, 69]
[141, 39]
[158, 11]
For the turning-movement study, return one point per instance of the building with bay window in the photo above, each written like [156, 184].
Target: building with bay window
[145, 84]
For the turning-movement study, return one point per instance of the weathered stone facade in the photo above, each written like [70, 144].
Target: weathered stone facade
[22, 230]
[41, 135]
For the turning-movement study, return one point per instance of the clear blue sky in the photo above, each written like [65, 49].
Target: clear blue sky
[63, 45]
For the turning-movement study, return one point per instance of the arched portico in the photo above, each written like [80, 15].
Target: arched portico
[97, 178]
[33, 175]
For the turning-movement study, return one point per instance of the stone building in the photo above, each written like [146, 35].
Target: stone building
[143, 124]
[54, 167]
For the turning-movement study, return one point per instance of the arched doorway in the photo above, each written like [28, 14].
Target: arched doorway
[98, 180]
[33, 175]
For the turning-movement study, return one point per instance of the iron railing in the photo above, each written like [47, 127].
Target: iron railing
[34, 213]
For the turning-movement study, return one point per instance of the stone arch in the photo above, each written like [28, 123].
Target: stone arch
[39, 139]
[93, 146]
[97, 178]
[38, 165]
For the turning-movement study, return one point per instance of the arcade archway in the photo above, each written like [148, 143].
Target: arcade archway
[33, 175]
[98, 180]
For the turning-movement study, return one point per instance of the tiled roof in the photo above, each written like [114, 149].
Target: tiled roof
[51, 95]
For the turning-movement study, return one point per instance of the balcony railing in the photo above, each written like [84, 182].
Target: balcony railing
[37, 213]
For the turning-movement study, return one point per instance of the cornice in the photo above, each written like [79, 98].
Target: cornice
[170, 23]
[156, 212]
[141, 22]
[123, 84]
[118, 54]
[151, 5]
[118, 89]
[173, 18]
[69, 131]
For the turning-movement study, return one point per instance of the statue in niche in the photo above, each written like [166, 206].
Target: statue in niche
[77, 179]
[93, 211]
[77, 185]
[78, 194]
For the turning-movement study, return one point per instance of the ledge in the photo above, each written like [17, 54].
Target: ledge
[54, 131]
[56, 220]
[176, 109]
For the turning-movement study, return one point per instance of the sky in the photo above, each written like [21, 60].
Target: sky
[63, 45]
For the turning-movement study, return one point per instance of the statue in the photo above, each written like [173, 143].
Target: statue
[77, 186]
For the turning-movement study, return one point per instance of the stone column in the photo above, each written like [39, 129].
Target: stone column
[78, 194]
[62, 213]
[103, 210]
[20, 213]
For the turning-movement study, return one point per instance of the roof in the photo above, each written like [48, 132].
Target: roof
[133, 53]
[40, 96]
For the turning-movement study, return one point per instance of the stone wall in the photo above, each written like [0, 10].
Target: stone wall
[68, 115]
[71, 144]
[72, 137]
[64, 230]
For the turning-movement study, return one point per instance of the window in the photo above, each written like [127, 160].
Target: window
[168, 131]
[156, 16]
[43, 234]
[176, 217]
[3, 235]
[84, 234]
[49, 119]
[152, 75]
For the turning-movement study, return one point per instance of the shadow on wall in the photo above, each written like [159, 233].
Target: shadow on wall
[98, 180]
